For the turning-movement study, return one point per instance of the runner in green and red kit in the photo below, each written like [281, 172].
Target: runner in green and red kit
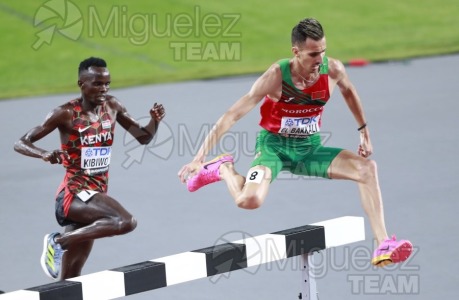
[293, 123]
[294, 93]
[86, 127]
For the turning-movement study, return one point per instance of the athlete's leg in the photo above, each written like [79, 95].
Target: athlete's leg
[251, 193]
[75, 257]
[104, 217]
[347, 165]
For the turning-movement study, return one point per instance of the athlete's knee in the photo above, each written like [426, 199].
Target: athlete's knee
[126, 225]
[367, 170]
[249, 202]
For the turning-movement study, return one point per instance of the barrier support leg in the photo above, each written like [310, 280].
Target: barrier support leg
[308, 282]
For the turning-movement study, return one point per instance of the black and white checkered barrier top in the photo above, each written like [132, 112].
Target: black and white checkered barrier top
[201, 263]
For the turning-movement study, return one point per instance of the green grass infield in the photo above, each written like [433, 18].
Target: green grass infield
[147, 42]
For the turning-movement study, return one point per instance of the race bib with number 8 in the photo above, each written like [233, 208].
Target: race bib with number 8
[255, 176]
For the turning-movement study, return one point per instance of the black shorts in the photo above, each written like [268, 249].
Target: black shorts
[62, 197]
[60, 216]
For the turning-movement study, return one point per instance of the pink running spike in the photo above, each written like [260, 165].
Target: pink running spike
[209, 173]
[392, 251]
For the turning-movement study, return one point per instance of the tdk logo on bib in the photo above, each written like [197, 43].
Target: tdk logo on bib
[300, 126]
[97, 151]
[301, 121]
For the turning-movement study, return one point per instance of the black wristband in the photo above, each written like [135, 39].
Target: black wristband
[362, 127]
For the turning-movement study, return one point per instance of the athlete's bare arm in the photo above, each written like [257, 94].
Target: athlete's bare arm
[58, 118]
[143, 134]
[269, 83]
[339, 77]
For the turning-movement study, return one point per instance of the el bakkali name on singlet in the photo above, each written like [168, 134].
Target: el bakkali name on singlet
[89, 148]
[298, 113]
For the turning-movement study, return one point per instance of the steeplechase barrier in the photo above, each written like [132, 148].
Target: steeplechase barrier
[207, 262]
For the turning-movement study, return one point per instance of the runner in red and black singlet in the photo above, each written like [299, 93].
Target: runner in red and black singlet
[294, 92]
[89, 149]
[86, 127]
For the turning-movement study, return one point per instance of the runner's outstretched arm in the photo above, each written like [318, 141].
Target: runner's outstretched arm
[352, 99]
[263, 86]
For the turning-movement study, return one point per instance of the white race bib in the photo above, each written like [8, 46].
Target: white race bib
[95, 159]
[300, 126]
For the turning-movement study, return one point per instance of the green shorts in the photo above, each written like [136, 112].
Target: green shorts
[300, 156]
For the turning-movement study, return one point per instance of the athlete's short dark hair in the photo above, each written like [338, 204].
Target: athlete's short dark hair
[307, 28]
[91, 62]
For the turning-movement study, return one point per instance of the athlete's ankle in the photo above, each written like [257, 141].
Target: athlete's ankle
[226, 169]
[58, 239]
